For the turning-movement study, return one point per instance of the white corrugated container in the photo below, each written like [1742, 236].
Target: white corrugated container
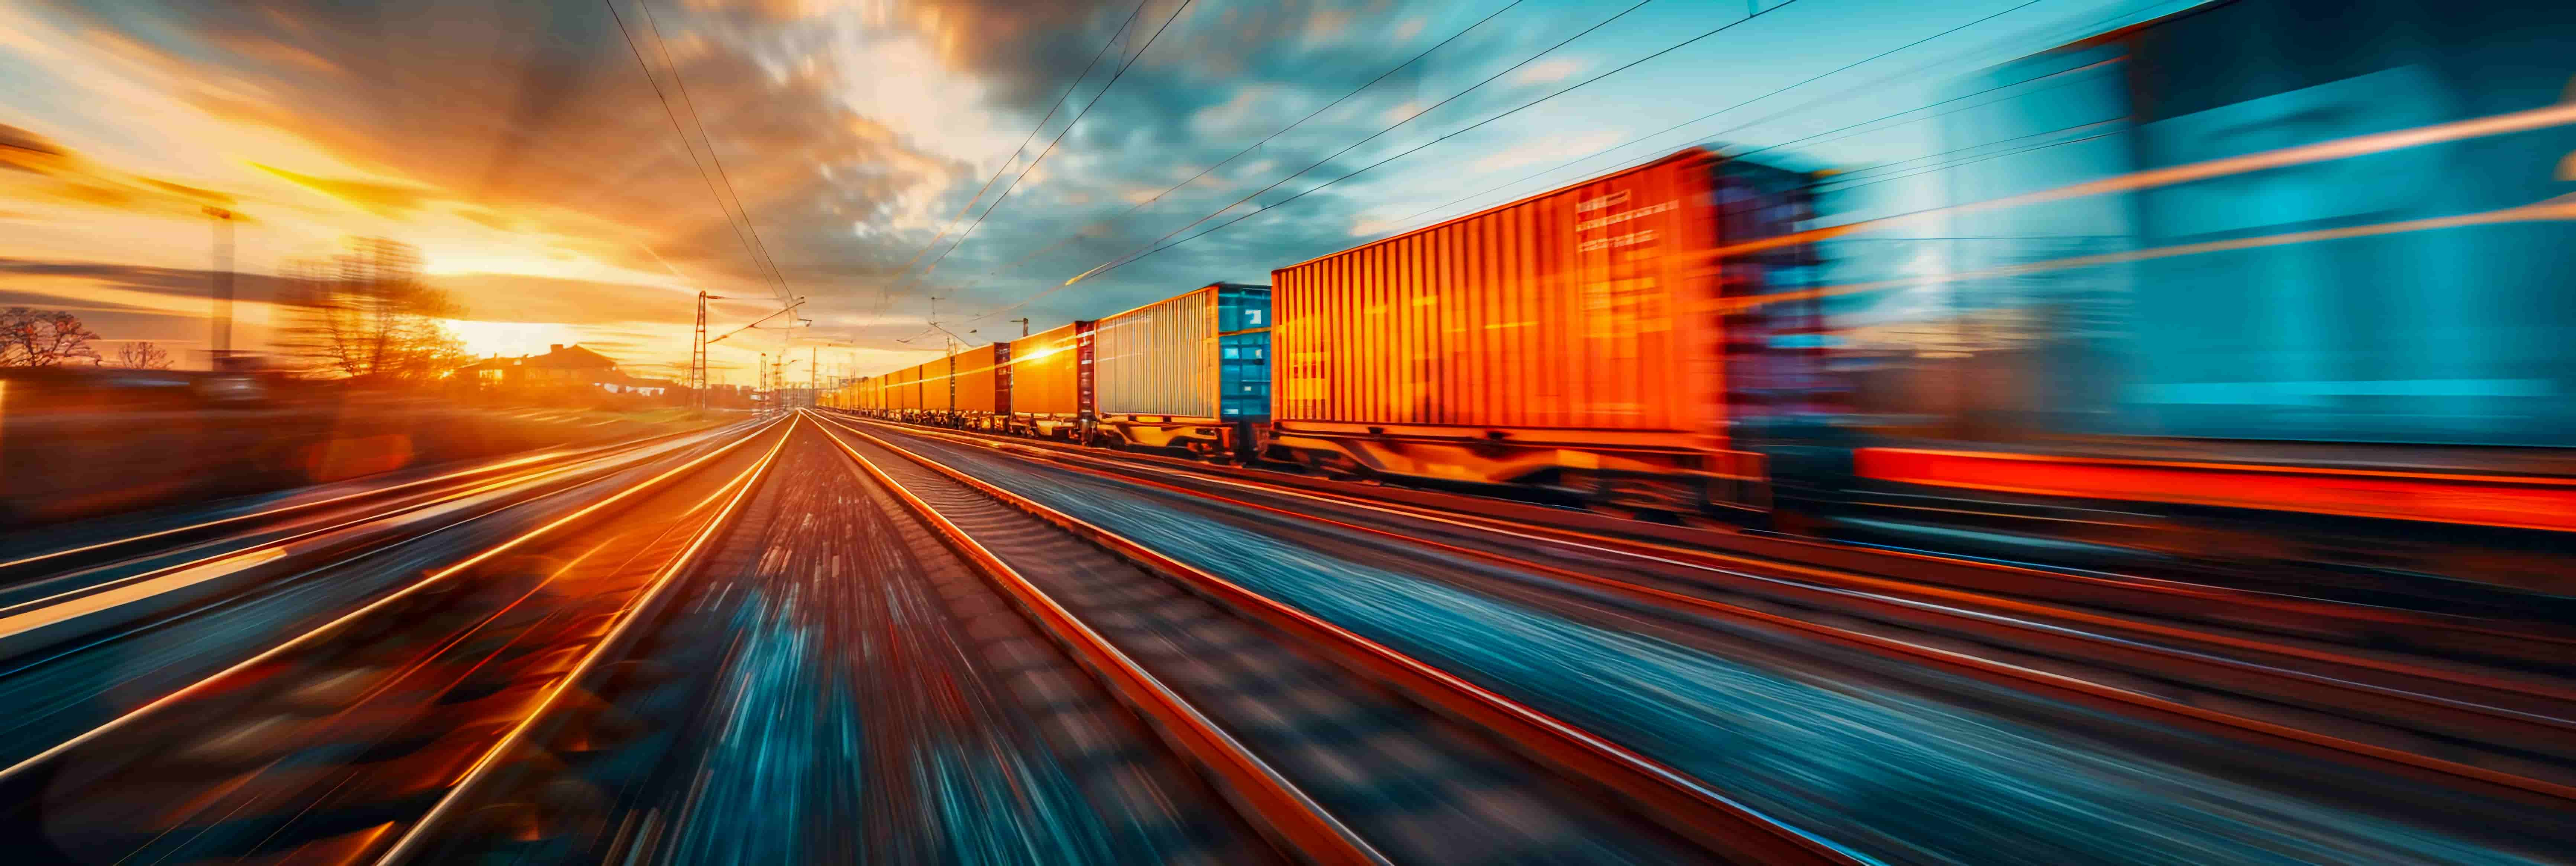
[1158, 359]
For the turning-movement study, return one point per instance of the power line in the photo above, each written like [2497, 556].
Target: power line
[1801, 107]
[1919, 171]
[1237, 155]
[1060, 101]
[685, 145]
[1151, 249]
[1933, 159]
[784, 292]
[1445, 137]
[1060, 134]
[2006, 86]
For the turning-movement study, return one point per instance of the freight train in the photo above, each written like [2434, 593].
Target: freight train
[2262, 281]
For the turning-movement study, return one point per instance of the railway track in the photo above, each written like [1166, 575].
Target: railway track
[2423, 697]
[88, 586]
[836, 685]
[41, 562]
[2533, 645]
[328, 744]
[2497, 739]
[1338, 748]
[82, 648]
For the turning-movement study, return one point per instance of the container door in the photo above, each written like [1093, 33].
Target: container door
[1002, 379]
[1082, 373]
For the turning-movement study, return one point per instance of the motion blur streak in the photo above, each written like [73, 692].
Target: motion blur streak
[2560, 208]
[628, 616]
[1688, 807]
[1289, 813]
[1749, 731]
[2520, 121]
[1940, 432]
[332, 629]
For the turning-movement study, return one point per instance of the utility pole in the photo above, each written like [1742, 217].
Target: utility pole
[763, 387]
[1024, 326]
[698, 356]
[219, 345]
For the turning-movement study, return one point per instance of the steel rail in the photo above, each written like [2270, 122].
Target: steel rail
[263, 551]
[1823, 560]
[643, 608]
[568, 457]
[212, 681]
[1290, 817]
[2256, 679]
[1662, 793]
[2018, 614]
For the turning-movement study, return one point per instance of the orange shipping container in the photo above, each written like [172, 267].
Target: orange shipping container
[974, 380]
[1043, 373]
[938, 380]
[903, 388]
[1544, 320]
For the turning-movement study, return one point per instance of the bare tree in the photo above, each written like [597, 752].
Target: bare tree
[43, 338]
[366, 315]
[142, 355]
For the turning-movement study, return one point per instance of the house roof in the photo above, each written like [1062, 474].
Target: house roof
[569, 356]
[560, 357]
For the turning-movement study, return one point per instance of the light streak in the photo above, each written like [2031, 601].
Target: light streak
[2342, 148]
[2560, 208]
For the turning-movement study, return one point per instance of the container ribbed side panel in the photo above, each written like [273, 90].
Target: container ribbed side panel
[975, 380]
[1584, 308]
[1159, 359]
[1043, 370]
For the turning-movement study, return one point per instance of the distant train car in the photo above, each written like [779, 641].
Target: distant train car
[1566, 340]
[972, 383]
[1172, 374]
[903, 393]
[1041, 383]
[864, 395]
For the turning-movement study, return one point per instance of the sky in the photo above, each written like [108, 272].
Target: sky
[576, 172]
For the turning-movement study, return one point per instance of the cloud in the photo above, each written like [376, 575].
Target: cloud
[522, 298]
[1553, 147]
[388, 199]
[526, 150]
[1547, 71]
[39, 169]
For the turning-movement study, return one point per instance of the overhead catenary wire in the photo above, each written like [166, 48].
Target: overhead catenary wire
[1406, 152]
[785, 293]
[1151, 249]
[685, 144]
[1636, 140]
[1059, 104]
[1060, 134]
[1373, 82]
[1920, 171]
